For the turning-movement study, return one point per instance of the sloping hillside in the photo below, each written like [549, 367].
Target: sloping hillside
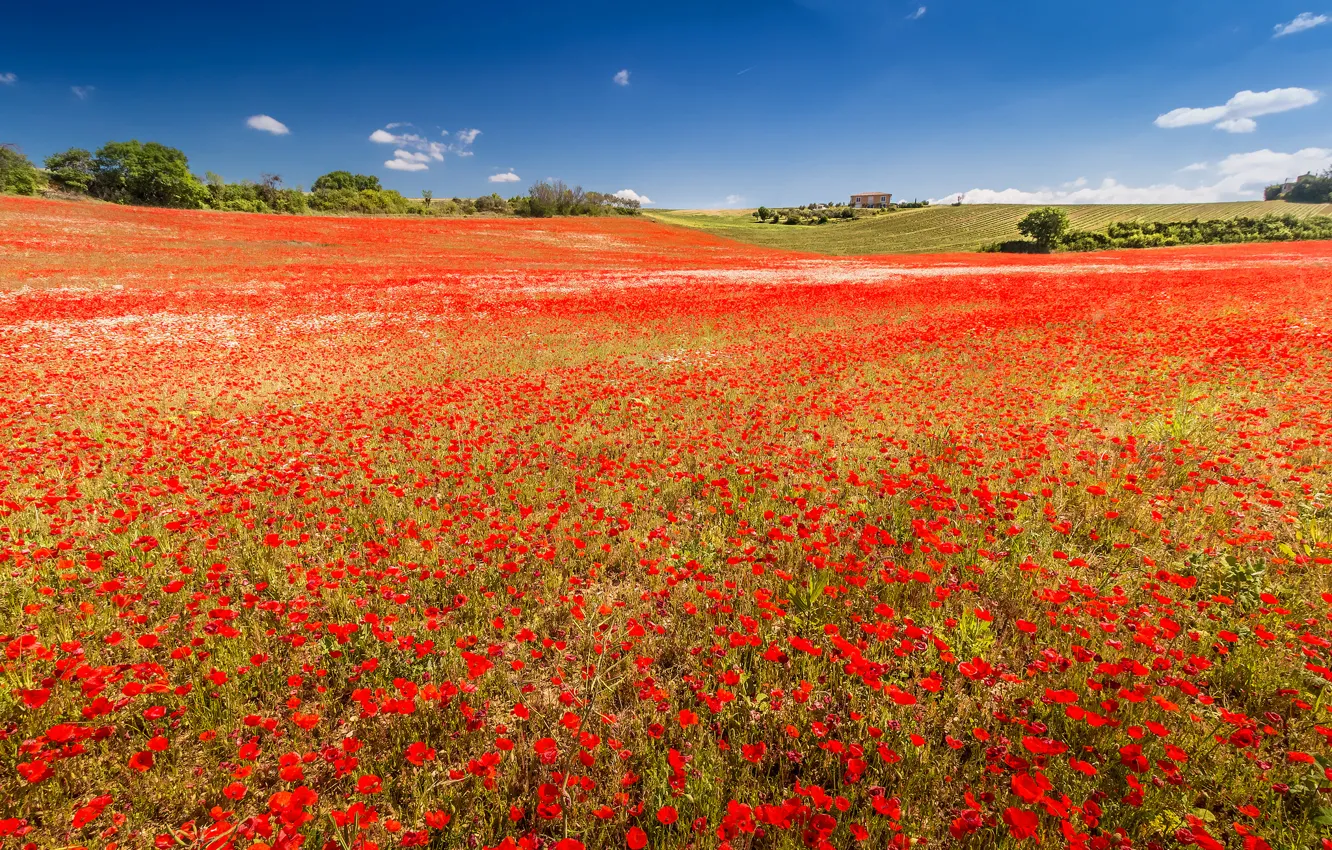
[947, 228]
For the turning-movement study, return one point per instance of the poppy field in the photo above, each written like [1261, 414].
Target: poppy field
[597, 533]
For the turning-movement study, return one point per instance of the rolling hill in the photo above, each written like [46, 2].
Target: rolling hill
[946, 228]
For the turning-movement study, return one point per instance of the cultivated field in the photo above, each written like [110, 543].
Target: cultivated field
[371, 533]
[948, 228]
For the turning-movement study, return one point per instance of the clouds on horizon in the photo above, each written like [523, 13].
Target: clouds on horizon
[265, 124]
[1238, 177]
[1303, 21]
[1236, 115]
[631, 195]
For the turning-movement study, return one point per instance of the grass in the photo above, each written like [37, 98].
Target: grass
[947, 228]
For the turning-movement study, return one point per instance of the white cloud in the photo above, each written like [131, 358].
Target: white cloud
[1236, 115]
[1303, 21]
[82, 92]
[8, 78]
[631, 195]
[732, 200]
[1267, 166]
[416, 151]
[1076, 184]
[1196, 166]
[407, 161]
[622, 77]
[1240, 176]
[506, 177]
[267, 124]
[917, 15]
[1237, 125]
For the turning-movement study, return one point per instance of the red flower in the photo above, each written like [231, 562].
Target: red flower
[141, 761]
[476, 664]
[36, 697]
[1022, 824]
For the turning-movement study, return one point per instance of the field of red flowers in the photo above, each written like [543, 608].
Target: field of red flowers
[357, 533]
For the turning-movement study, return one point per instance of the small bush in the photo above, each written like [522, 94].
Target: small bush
[1016, 246]
[18, 176]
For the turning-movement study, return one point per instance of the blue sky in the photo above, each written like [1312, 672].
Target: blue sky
[735, 102]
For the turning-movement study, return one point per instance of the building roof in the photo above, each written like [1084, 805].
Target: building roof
[871, 193]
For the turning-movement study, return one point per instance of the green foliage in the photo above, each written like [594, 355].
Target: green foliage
[1159, 234]
[549, 198]
[266, 196]
[340, 180]
[1272, 193]
[363, 201]
[18, 176]
[1312, 189]
[762, 213]
[71, 170]
[149, 174]
[427, 197]
[1044, 226]
[492, 203]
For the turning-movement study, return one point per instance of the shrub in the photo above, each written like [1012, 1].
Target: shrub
[71, 170]
[18, 175]
[1312, 190]
[1015, 246]
[337, 180]
[364, 202]
[1155, 234]
[549, 198]
[149, 174]
[492, 203]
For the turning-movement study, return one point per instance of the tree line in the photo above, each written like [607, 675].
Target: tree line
[1309, 189]
[1047, 230]
[153, 174]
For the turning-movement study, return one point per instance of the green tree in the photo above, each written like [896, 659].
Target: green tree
[427, 197]
[1312, 189]
[337, 180]
[71, 170]
[17, 174]
[151, 174]
[334, 181]
[1044, 226]
[763, 213]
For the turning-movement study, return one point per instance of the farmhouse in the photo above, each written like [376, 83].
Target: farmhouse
[875, 200]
